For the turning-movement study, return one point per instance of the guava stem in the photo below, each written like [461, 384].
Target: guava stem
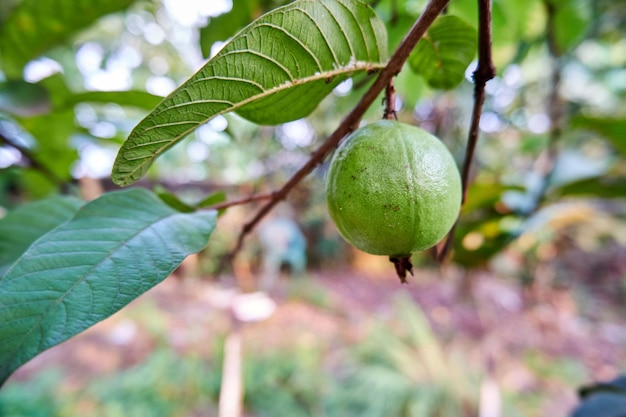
[390, 102]
[403, 265]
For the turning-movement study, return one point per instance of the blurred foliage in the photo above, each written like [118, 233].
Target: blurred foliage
[399, 369]
[444, 53]
[152, 49]
[292, 384]
[405, 371]
[163, 385]
[75, 80]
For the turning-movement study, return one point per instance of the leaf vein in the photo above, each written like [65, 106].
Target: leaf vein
[345, 36]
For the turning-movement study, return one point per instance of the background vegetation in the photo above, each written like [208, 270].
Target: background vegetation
[541, 237]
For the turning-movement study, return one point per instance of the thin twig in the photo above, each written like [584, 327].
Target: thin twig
[390, 102]
[351, 121]
[484, 72]
[32, 161]
[242, 201]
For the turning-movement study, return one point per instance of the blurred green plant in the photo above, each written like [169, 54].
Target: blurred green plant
[166, 385]
[307, 290]
[403, 370]
[47, 121]
[286, 383]
[39, 397]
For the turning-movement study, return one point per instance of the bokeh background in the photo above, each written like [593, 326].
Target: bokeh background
[529, 307]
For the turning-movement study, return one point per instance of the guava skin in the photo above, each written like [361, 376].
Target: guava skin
[393, 189]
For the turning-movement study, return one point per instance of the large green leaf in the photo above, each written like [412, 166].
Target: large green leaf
[21, 227]
[36, 26]
[275, 70]
[113, 250]
[613, 129]
[444, 53]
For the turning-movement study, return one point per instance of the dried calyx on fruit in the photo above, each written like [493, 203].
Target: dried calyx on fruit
[393, 189]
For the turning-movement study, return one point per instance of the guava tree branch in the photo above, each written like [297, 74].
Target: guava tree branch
[350, 122]
[390, 102]
[484, 72]
[242, 201]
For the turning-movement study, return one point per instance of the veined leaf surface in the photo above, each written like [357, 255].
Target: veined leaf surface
[21, 227]
[275, 70]
[113, 250]
[444, 53]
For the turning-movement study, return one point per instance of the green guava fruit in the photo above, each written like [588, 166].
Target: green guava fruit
[393, 189]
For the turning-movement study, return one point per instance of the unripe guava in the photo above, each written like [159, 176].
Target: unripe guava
[393, 189]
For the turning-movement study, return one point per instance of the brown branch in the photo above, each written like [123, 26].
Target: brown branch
[242, 201]
[484, 72]
[390, 102]
[351, 121]
[32, 161]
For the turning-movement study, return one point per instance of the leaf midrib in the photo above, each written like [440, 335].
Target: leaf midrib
[357, 66]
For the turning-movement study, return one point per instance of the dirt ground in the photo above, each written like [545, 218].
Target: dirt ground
[493, 319]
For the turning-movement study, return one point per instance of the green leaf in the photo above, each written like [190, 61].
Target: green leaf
[488, 240]
[63, 98]
[139, 99]
[215, 198]
[23, 99]
[52, 150]
[21, 227]
[36, 26]
[57, 88]
[610, 128]
[571, 20]
[445, 52]
[275, 70]
[172, 200]
[224, 26]
[485, 195]
[114, 249]
[512, 20]
[603, 187]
